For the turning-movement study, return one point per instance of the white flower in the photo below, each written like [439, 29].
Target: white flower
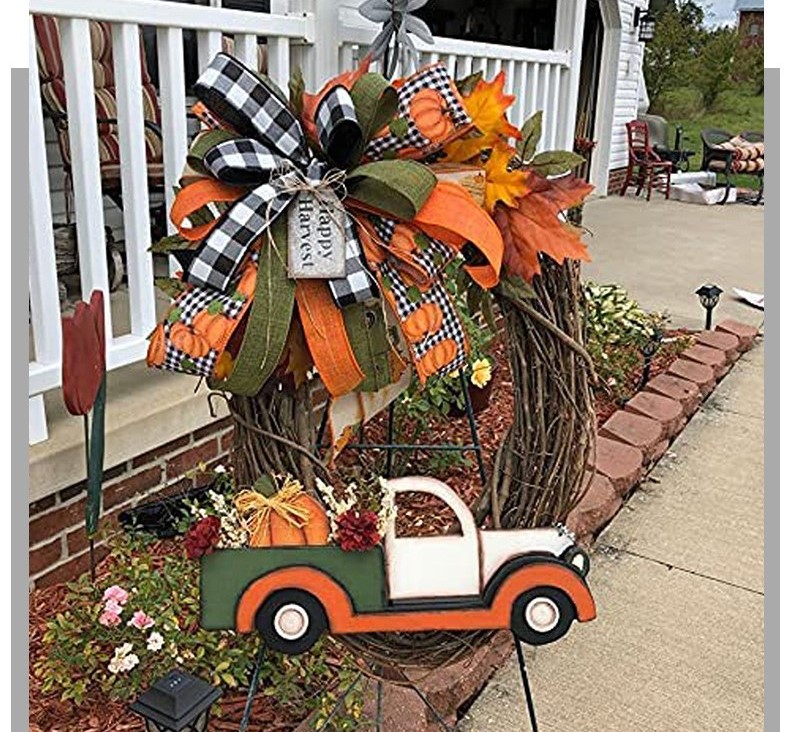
[123, 659]
[155, 641]
[114, 666]
[129, 662]
[220, 469]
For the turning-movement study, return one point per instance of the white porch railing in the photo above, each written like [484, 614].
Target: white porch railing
[539, 79]
[535, 76]
[126, 17]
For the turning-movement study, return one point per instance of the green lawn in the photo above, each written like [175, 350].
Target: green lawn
[735, 111]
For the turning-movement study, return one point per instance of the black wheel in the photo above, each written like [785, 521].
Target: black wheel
[291, 621]
[542, 615]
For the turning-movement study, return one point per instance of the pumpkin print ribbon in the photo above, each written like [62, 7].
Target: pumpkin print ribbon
[266, 154]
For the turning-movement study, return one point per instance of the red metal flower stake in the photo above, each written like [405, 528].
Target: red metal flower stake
[85, 393]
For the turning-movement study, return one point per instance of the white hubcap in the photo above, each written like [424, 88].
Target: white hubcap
[291, 621]
[542, 614]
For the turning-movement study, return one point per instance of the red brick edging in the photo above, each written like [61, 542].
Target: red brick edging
[635, 437]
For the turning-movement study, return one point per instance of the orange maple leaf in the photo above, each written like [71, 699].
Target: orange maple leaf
[503, 184]
[534, 227]
[486, 105]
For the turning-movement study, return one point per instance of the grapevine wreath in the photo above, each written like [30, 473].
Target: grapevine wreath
[314, 231]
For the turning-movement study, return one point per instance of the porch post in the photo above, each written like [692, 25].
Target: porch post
[568, 36]
[324, 56]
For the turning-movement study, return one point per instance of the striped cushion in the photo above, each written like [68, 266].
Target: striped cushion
[743, 149]
[739, 166]
[53, 90]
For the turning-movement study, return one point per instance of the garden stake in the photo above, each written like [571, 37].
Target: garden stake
[522, 667]
[379, 705]
[245, 719]
[470, 415]
[432, 709]
[390, 436]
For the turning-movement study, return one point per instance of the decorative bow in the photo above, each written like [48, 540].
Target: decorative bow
[268, 151]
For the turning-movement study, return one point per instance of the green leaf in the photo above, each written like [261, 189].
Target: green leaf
[421, 240]
[265, 486]
[466, 85]
[555, 162]
[399, 127]
[474, 299]
[215, 307]
[174, 315]
[386, 280]
[296, 91]
[488, 312]
[188, 364]
[515, 288]
[413, 294]
[96, 460]
[531, 131]
[171, 286]
[171, 243]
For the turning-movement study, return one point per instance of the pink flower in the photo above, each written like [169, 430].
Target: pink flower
[116, 593]
[109, 620]
[141, 621]
[112, 607]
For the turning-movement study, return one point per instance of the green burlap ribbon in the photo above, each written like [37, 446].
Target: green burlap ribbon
[367, 334]
[268, 321]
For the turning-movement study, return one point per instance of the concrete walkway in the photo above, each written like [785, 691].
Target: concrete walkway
[678, 575]
[662, 251]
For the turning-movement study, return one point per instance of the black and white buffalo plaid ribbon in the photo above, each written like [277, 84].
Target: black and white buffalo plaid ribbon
[273, 159]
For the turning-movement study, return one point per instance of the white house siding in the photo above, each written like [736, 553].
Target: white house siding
[627, 93]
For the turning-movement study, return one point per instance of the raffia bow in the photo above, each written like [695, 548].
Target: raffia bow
[255, 509]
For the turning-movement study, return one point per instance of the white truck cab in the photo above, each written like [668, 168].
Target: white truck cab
[459, 565]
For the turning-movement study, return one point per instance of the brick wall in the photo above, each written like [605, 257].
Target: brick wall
[616, 180]
[58, 547]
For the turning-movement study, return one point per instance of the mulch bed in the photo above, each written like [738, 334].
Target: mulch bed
[422, 515]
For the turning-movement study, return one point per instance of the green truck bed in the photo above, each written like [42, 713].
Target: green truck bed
[225, 574]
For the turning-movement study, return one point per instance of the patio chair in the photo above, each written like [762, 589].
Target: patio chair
[728, 155]
[645, 167]
[658, 133]
[53, 93]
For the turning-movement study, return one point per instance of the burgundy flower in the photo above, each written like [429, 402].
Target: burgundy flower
[83, 354]
[357, 531]
[202, 537]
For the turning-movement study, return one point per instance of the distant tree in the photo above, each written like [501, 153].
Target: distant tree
[679, 37]
[713, 69]
[749, 66]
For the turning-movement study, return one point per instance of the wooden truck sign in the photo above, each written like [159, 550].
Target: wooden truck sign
[531, 581]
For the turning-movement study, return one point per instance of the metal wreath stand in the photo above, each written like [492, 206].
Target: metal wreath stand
[390, 447]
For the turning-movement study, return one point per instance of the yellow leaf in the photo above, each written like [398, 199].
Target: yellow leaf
[486, 106]
[502, 184]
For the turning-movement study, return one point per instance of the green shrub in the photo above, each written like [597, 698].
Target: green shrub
[79, 651]
[617, 330]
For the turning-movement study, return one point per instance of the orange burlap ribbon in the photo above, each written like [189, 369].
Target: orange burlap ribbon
[193, 197]
[325, 333]
[453, 216]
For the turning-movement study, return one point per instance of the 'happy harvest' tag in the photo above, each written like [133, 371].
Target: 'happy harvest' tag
[316, 243]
